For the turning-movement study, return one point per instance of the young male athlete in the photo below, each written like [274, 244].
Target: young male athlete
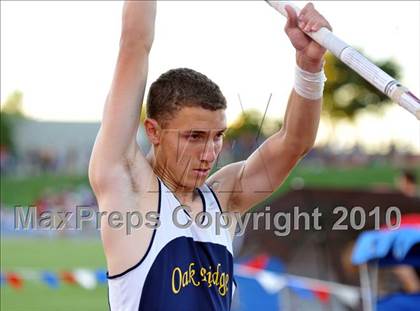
[179, 264]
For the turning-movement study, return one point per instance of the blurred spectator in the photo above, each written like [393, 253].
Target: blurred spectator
[408, 276]
[407, 183]
[66, 200]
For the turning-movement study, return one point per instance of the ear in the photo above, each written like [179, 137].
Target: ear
[153, 130]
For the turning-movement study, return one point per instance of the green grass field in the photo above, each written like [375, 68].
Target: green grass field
[25, 191]
[18, 191]
[52, 255]
[352, 178]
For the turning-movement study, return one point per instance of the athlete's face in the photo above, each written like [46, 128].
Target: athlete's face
[190, 145]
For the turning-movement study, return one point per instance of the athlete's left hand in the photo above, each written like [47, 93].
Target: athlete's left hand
[308, 20]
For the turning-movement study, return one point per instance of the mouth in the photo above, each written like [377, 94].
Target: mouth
[202, 171]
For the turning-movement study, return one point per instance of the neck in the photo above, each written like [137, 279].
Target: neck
[185, 195]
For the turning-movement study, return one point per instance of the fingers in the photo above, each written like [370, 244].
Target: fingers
[292, 18]
[307, 9]
[309, 19]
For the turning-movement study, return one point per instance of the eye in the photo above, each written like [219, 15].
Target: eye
[220, 135]
[193, 136]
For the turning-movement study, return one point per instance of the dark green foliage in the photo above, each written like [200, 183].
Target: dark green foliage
[346, 93]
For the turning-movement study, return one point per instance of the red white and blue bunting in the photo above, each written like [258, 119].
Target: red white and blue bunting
[85, 278]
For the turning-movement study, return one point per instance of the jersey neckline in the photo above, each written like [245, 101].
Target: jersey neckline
[203, 200]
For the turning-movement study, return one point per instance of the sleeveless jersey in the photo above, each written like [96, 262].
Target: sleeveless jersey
[186, 269]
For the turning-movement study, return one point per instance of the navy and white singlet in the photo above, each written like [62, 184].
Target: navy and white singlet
[186, 269]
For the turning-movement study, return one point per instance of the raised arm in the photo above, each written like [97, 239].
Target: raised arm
[115, 144]
[253, 180]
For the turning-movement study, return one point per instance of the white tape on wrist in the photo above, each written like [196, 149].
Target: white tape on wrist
[308, 84]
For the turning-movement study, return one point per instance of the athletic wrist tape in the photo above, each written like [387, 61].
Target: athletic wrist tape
[308, 84]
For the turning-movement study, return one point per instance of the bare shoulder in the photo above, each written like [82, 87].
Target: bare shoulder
[129, 186]
[131, 194]
[131, 175]
[224, 183]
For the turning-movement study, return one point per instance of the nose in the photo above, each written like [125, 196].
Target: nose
[209, 153]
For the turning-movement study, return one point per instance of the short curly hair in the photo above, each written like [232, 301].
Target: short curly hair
[182, 87]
